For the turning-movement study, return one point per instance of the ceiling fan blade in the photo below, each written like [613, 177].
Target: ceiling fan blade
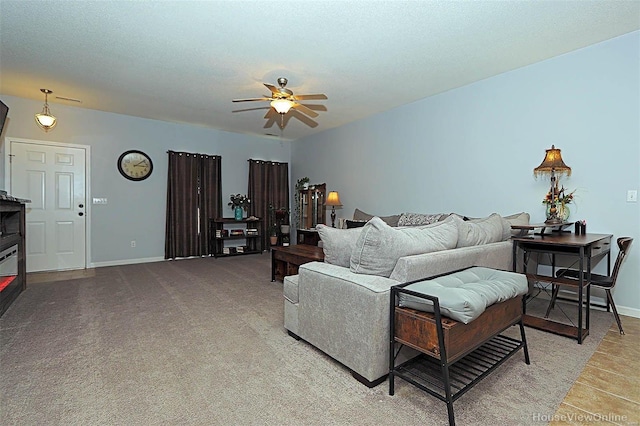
[251, 109]
[273, 88]
[251, 100]
[270, 122]
[271, 113]
[318, 96]
[316, 107]
[306, 120]
[305, 110]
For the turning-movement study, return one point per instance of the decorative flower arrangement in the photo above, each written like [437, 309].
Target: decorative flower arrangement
[560, 199]
[239, 201]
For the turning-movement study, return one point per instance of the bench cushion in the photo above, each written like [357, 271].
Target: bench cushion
[464, 295]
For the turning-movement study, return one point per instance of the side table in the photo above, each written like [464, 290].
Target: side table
[586, 249]
[286, 260]
[308, 236]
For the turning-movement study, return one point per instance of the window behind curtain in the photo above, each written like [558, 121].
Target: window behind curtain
[194, 194]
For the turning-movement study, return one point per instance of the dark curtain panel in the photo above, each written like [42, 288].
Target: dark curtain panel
[193, 195]
[210, 195]
[268, 185]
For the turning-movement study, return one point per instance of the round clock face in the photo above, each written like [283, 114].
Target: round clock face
[135, 165]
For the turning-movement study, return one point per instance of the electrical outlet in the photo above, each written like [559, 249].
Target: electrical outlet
[632, 196]
[133, 243]
[99, 201]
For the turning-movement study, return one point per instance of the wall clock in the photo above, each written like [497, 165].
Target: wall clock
[135, 165]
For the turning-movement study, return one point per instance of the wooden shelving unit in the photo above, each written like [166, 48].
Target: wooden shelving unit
[223, 242]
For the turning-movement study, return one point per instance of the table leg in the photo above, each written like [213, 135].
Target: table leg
[273, 265]
[580, 295]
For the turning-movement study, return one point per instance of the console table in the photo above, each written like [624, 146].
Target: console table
[286, 260]
[585, 248]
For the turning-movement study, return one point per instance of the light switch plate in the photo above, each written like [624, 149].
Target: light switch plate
[632, 196]
[99, 201]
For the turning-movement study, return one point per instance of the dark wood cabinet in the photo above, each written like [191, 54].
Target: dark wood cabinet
[13, 270]
[231, 237]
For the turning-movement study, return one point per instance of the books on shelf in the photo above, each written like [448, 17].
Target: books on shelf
[236, 232]
[252, 231]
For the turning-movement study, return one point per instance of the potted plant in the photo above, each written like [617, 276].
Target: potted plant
[239, 204]
[273, 234]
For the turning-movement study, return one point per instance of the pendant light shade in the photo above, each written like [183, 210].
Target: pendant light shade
[45, 119]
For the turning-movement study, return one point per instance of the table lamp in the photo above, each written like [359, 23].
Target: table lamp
[333, 200]
[551, 165]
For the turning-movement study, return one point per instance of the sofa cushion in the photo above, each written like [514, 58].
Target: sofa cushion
[291, 288]
[516, 219]
[379, 246]
[338, 244]
[475, 232]
[389, 220]
[464, 295]
[415, 219]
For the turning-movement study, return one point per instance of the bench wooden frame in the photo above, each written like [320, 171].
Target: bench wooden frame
[454, 356]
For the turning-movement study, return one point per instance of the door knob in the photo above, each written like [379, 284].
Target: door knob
[80, 214]
[80, 205]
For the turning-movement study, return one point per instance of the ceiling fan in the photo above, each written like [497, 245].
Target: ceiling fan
[284, 105]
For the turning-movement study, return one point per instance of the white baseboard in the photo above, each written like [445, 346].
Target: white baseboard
[126, 262]
[630, 312]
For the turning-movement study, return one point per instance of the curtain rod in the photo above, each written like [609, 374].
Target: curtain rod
[266, 161]
[193, 153]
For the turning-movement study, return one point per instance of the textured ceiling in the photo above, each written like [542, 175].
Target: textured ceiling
[184, 61]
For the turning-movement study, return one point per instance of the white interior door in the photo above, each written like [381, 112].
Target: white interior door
[53, 177]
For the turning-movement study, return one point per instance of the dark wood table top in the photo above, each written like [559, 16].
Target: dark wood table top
[562, 239]
[306, 250]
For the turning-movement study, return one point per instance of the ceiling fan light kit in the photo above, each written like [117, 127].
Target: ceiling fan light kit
[45, 120]
[282, 106]
[283, 101]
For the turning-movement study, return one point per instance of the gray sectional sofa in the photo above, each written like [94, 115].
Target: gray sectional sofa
[341, 306]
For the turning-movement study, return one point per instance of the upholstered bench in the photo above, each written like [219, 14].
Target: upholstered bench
[455, 318]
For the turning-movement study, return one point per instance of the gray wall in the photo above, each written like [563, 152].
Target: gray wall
[136, 210]
[473, 150]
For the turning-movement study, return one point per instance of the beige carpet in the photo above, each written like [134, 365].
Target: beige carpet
[201, 342]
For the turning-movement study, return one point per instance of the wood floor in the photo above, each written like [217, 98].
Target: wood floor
[608, 390]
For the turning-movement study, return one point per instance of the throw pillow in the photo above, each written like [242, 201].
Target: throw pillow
[337, 244]
[355, 223]
[516, 219]
[415, 219]
[379, 246]
[389, 220]
[475, 232]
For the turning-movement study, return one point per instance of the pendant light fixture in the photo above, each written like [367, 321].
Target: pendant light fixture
[45, 119]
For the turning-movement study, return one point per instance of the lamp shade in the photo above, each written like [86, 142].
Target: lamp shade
[552, 163]
[282, 106]
[333, 199]
[45, 120]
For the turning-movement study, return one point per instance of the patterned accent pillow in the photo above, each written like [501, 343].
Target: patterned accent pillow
[415, 219]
